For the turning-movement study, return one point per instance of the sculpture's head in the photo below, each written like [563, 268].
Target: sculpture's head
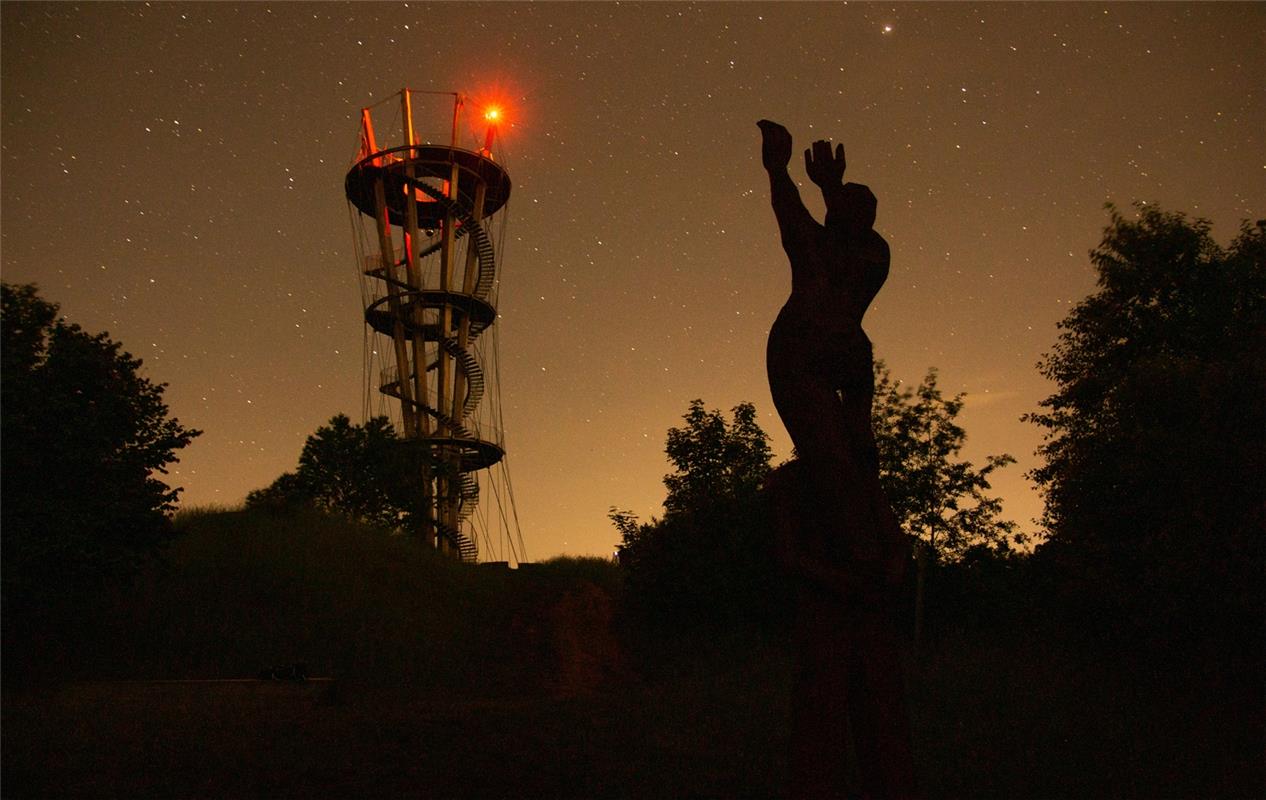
[855, 214]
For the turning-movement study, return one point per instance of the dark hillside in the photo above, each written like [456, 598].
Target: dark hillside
[447, 679]
[458, 681]
[240, 592]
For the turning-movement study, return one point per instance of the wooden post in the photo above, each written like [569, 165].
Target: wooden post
[413, 270]
[447, 482]
[398, 340]
[367, 144]
[406, 117]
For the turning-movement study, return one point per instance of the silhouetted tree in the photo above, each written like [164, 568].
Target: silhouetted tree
[715, 534]
[84, 437]
[364, 471]
[289, 491]
[715, 462]
[937, 497]
[1155, 439]
[710, 558]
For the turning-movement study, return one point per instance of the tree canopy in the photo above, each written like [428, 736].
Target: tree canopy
[1155, 438]
[710, 558]
[714, 461]
[363, 471]
[84, 438]
[938, 497]
[712, 553]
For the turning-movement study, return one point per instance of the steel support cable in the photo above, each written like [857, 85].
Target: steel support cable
[486, 270]
[358, 254]
[498, 422]
[501, 512]
[464, 485]
[495, 542]
[515, 532]
[514, 507]
[486, 259]
[481, 524]
[485, 284]
[468, 486]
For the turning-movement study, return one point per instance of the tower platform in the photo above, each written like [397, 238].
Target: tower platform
[428, 162]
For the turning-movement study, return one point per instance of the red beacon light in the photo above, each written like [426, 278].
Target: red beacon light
[492, 115]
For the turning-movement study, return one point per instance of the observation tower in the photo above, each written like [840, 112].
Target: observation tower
[424, 214]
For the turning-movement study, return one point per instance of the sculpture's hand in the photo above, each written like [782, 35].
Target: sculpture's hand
[775, 145]
[823, 169]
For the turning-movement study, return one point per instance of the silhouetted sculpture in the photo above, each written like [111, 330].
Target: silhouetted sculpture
[837, 533]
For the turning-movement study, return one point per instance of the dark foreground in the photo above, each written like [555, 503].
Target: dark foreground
[980, 733]
[251, 740]
[468, 682]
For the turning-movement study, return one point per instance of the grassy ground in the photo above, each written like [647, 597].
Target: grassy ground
[290, 741]
[448, 681]
[479, 682]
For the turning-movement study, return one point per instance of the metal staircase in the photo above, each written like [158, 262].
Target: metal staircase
[410, 305]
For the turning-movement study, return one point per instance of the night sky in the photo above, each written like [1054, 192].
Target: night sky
[172, 173]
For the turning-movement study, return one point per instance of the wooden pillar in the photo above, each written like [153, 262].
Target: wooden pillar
[398, 339]
[414, 273]
[412, 267]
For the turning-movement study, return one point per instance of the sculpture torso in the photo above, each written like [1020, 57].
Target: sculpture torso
[834, 277]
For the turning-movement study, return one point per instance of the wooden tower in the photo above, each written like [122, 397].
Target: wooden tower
[432, 296]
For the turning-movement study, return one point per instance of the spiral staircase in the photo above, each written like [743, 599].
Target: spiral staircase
[422, 189]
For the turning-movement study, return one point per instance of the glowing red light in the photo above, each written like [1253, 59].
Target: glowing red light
[492, 114]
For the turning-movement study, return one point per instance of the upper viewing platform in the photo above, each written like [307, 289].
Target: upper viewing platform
[433, 158]
[433, 165]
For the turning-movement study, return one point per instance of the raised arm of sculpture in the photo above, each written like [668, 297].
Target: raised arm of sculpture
[794, 220]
